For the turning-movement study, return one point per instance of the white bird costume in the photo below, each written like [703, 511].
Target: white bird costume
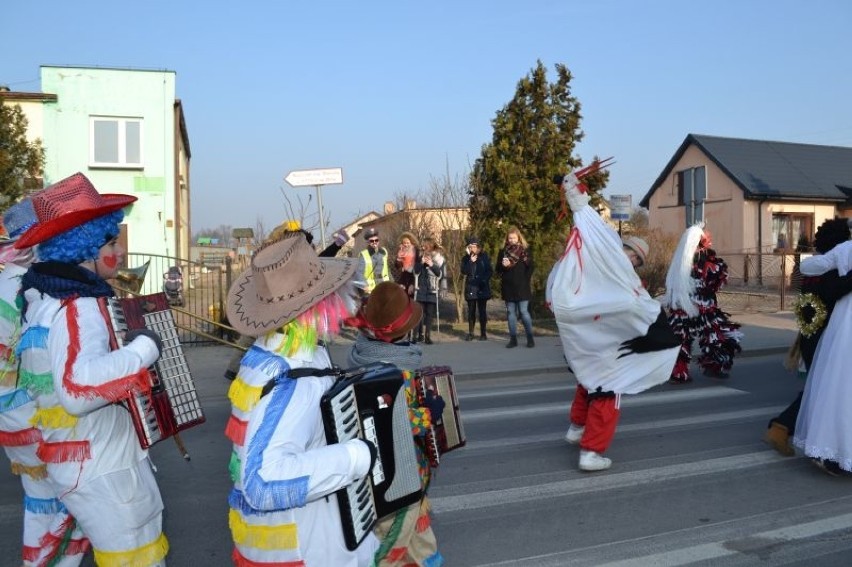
[614, 334]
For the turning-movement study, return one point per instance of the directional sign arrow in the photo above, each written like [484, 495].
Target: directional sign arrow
[306, 177]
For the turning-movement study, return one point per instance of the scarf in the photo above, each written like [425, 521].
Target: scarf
[63, 281]
[403, 354]
[406, 257]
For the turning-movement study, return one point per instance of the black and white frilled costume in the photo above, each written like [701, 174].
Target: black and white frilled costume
[614, 334]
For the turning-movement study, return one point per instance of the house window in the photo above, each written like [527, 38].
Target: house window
[692, 192]
[791, 231]
[115, 142]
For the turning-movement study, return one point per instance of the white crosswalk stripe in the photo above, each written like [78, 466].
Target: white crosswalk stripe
[494, 481]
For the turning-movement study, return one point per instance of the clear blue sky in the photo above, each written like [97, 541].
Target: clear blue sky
[392, 92]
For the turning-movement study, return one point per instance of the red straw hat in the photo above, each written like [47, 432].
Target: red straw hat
[67, 204]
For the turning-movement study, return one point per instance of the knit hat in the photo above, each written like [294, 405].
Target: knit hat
[639, 246]
[472, 239]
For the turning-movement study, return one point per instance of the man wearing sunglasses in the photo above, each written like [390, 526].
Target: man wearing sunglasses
[373, 262]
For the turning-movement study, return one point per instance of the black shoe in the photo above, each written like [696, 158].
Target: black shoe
[427, 340]
[469, 337]
[483, 338]
[530, 342]
[230, 374]
[513, 342]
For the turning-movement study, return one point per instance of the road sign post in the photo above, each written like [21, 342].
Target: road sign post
[621, 207]
[317, 178]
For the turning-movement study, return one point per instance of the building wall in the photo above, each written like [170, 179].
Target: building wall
[721, 208]
[150, 95]
[34, 112]
[736, 224]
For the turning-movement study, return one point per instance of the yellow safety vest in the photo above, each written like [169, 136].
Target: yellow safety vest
[369, 275]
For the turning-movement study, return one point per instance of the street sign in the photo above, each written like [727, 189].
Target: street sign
[307, 177]
[621, 207]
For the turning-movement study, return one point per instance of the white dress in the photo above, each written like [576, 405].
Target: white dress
[824, 426]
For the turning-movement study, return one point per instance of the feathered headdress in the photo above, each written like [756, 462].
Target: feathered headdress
[680, 284]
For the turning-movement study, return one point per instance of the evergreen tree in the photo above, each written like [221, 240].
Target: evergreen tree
[21, 161]
[533, 140]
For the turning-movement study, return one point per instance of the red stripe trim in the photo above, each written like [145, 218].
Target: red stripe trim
[235, 430]
[240, 561]
[20, 438]
[423, 523]
[113, 390]
[77, 547]
[53, 540]
[64, 451]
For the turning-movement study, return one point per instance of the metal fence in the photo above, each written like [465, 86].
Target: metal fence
[760, 282]
[200, 313]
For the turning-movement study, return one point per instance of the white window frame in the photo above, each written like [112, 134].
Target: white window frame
[122, 162]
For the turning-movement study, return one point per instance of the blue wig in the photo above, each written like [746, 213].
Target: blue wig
[83, 242]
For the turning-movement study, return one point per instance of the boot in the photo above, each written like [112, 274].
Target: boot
[469, 337]
[513, 341]
[778, 437]
[530, 341]
[575, 433]
[483, 337]
[591, 461]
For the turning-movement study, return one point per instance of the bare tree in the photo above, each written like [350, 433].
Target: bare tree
[259, 230]
[439, 211]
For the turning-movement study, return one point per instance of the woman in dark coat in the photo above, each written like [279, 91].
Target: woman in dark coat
[429, 270]
[514, 265]
[476, 267]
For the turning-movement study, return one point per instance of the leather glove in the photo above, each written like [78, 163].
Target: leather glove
[133, 333]
[436, 405]
[374, 453]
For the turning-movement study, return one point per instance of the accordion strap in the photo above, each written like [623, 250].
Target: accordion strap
[299, 373]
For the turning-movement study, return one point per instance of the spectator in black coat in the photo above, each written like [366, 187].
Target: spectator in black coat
[476, 267]
[515, 266]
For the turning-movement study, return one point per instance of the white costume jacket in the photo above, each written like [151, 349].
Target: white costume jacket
[94, 460]
[283, 508]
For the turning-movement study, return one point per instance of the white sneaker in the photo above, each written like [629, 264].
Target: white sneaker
[591, 461]
[575, 433]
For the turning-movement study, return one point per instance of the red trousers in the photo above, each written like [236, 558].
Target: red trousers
[599, 414]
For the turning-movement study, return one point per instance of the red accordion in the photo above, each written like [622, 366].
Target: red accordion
[447, 430]
[172, 405]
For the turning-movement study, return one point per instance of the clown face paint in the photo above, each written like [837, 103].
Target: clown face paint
[110, 258]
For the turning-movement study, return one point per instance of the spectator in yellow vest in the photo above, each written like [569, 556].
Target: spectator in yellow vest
[373, 262]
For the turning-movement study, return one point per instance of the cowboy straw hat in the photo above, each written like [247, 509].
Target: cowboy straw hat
[285, 279]
[388, 314]
[67, 204]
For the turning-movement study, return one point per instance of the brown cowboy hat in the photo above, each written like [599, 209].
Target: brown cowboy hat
[388, 314]
[67, 204]
[285, 279]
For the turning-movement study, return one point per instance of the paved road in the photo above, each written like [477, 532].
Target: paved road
[692, 484]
